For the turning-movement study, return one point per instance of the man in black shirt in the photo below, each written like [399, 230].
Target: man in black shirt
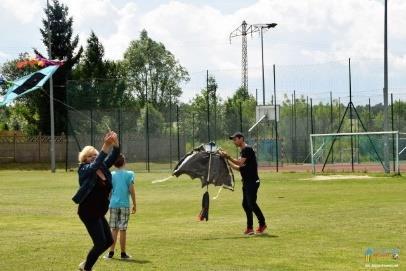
[248, 167]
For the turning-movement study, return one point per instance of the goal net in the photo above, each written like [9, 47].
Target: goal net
[362, 152]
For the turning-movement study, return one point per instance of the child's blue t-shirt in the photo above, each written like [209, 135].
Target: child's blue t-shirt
[121, 179]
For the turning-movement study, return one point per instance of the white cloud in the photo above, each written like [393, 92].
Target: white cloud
[4, 55]
[312, 31]
[399, 62]
[308, 32]
[196, 34]
[396, 15]
[24, 11]
[127, 29]
[97, 15]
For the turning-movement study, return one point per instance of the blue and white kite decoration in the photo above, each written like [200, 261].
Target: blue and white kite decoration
[2, 79]
[26, 84]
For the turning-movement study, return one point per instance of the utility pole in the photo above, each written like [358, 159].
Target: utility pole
[369, 113]
[262, 60]
[242, 31]
[307, 123]
[350, 87]
[331, 123]
[262, 27]
[215, 112]
[208, 106]
[51, 97]
[170, 127]
[178, 129]
[385, 91]
[276, 120]
[147, 119]
[294, 125]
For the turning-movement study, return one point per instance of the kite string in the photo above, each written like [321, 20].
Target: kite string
[218, 193]
[76, 110]
[208, 171]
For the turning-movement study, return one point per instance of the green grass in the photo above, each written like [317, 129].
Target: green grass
[314, 225]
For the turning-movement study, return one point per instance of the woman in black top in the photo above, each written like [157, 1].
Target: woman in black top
[93, 195]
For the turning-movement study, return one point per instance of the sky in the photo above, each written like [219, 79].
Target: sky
[310, 46]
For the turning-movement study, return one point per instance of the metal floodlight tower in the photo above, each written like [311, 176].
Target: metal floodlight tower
[242, 31]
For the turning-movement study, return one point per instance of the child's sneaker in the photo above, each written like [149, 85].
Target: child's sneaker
[249, 231]
[125, 256]
[109, 256]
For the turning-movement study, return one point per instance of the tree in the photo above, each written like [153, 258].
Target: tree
[63, 46]
[239, 111]
[11, 72]
[96, 79]
[156, 122]
[196, 112]
[153, 69]
[92, 65]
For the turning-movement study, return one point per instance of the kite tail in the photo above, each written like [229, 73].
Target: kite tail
[204, 213]
[218, 193]
[163, 180]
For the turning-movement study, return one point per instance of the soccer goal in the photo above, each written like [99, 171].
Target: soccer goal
[362, 151]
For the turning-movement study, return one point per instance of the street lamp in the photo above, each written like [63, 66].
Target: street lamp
[261, 28]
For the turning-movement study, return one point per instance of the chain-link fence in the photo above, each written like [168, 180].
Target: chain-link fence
[153, 135]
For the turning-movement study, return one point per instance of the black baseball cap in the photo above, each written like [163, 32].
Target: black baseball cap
[236, 134]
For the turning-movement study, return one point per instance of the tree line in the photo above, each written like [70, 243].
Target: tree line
[149, 74]
[146, 67]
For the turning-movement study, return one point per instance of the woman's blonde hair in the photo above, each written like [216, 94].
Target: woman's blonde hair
[86, 151]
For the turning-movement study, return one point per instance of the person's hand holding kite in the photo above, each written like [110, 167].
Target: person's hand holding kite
[224, 154]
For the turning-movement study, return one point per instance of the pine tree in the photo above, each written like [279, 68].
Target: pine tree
[93, 66]
[96, 78]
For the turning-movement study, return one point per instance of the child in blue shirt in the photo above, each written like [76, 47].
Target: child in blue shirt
[123, 188]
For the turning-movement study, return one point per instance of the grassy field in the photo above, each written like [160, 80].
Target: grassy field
[314, 225]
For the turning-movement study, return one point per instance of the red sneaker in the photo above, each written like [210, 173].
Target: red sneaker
[249, 231]
[261, 229]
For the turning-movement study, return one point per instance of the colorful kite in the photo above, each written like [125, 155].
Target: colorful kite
[2, 79]
[26, 84]
[38, 61]
[206, 164]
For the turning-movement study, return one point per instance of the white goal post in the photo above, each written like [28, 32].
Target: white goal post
[322, 144]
